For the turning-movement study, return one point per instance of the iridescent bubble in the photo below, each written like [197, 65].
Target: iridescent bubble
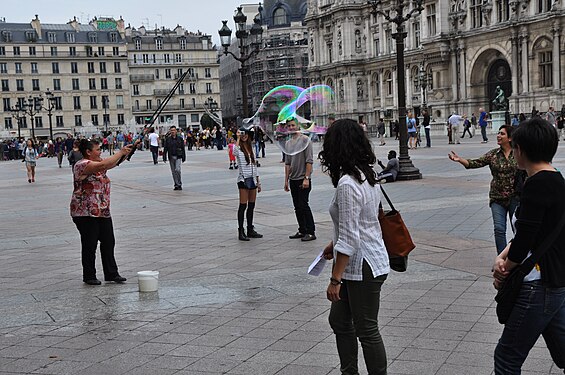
[284, 103]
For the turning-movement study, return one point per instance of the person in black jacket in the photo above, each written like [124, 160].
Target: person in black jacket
[540, 307]
[174, 150]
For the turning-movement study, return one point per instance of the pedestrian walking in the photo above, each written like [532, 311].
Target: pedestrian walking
[360, 259]
[454, 122]
[248, 184]
[411, 125]
[560, 126]
[90, 210]
[298, 179]
[466, 127]
[30, 155]
[540, 306]
[173, 149]
[427, 127]
[154, 145]
[75, 155]
[483, 124]
[503, 194]
[59, 150]
[381, 131]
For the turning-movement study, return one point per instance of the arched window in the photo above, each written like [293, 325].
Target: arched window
[376, 86]
[280, 17]
[543, 53]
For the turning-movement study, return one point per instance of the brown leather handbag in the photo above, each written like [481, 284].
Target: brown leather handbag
[396, 236]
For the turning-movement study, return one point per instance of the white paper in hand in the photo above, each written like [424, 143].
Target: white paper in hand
[317, 265]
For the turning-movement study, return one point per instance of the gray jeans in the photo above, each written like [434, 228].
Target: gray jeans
[356, 315]
[175, 163]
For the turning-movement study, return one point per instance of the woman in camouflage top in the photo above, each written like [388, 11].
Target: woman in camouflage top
[503, 195]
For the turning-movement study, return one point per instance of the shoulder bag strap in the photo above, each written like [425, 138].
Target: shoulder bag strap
[387, 198]
[529, 263]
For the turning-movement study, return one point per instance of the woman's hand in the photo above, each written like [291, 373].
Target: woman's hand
[332, 292]
[126, 150]
[453, 156]
[328, 253]
[258, 187]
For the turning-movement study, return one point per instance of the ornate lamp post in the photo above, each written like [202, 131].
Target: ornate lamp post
[18, 112]
[211, 104]
[246, 48]
[407, 169]
[52, 101]
[32, 108]
[421, 82]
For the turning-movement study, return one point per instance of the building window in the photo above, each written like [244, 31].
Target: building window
[330, 54]
[93, 102]
[156, 73]
[90, 67]
[74, 68]
[121, 119]
[545, 69]
[88, 50]
[20, 85]
[35, 85]
[104, 83]
[135, 89]
[377, 88]
[94, 119]
[117, 67]
[113, 37]
[544, 6]
[178, 57]
[194, 117]
[52, 37]
[118, 83]
[32, 51]
[167, 58]
[7, 123]
[182, 43]
[145, 57]
[92, 37]
[208, 88]
[115, 51]
[208, 72]
[102, 67]
[76, 102]
[92, 83]
[76, 85]
[181, 88]
[138, 44]
[34, 68]
[78, 120]
[476, 13]
[389, 41]
[279, 17]
[39, 122]
[503, 10]
[137, 105]
[416, 31]
[3, 51]
[101, 51]
[193, 88]
[149, 104]
[6, 103]
[16, 51]
[388, 82]
[72, 51]
[154, 57]
[59, 122]
[5, 85]
[18, 67]
[4, 68]
[168, 73]
[105, 102]
[56, 84]
[159, 44]
[7, 36]
[53, 51]
[70, 37]
[58, 101]
[55, 68]
[119, 101]
[431, 18]
[181, 103]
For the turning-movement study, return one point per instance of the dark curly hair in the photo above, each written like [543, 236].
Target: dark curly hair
[86, 144]
[347, 150]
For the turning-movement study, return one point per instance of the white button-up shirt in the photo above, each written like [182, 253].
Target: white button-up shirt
[354, 211]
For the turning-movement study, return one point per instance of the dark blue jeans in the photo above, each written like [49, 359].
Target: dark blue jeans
[484, 133]
[538, 311]
[428, 139]
[302, 209]
[500, 214]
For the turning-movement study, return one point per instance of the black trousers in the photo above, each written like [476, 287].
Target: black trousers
[154, 153]
[302, 210]
[93, 230]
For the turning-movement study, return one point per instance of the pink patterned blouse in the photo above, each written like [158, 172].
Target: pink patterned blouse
[91, 193]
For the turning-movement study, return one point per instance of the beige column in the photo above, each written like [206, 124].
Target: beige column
[525, 63]
[463, 70]
[454, 90]
[514, 64]
[556, 61]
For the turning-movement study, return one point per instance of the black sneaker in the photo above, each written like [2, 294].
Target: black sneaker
[308, 237]
[93, 282]
[297, 235]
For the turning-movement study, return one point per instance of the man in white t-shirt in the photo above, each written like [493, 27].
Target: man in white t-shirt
[454, 121]
[154, 144]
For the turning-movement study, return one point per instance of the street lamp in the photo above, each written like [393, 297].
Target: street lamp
[32, 108]
[407, 169]
[255, 34]
[421, 81]
[52, 100]
[211, 104]
[105, 105]
[18, 112]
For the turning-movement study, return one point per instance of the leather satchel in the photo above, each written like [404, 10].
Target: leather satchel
[396, 236]
[510, 290]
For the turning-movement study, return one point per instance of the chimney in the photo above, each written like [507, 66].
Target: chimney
[73, 23]
[120, 26]
[36, 24]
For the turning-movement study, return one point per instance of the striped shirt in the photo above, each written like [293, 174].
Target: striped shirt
[245, 170]
[354, 211]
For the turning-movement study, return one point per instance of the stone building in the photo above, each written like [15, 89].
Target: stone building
[157, 59]
[283, 59]
[465, 47]
[83, 66]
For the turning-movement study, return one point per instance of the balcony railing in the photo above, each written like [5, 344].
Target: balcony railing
[142, 78]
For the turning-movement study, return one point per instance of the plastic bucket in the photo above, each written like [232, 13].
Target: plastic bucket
[148, 281]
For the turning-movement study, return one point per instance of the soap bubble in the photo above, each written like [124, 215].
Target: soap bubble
[280, 105]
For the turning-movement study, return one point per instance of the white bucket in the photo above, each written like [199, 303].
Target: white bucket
[148, 281]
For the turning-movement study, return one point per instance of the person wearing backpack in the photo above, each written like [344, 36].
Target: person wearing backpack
[411, 123]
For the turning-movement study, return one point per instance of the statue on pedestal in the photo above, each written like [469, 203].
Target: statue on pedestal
[499, 102]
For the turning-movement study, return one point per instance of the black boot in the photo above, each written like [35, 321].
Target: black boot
[242, 236]
[252, 234]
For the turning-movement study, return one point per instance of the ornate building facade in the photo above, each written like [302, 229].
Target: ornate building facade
[466, 48]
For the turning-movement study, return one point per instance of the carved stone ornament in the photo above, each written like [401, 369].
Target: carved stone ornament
[487, 11]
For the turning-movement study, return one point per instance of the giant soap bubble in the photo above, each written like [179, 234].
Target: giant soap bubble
[280, 105]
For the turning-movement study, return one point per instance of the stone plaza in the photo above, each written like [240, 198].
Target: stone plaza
[231, 307]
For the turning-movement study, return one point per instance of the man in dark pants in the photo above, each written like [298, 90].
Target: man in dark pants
[174, 150]
[154, 145]
[297, 173]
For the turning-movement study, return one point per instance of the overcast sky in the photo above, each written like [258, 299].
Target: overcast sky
[194, 15]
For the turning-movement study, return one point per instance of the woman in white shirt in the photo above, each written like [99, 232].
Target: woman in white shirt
[247, 183]
[360, 259]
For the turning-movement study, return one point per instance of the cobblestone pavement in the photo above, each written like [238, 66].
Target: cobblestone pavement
[229, 307]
